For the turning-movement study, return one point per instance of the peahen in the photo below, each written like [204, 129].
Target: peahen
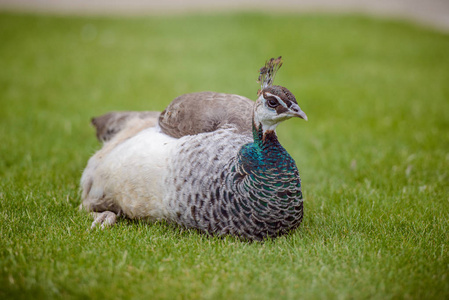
[209, 161]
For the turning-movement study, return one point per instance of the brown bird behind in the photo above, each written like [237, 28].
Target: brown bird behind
[187, 114]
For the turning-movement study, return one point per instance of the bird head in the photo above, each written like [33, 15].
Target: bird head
[275, 103]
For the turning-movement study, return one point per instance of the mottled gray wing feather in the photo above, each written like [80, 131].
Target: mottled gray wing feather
[108, 125]
[195, 113]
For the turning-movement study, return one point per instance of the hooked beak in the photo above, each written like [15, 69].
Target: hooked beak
[295, 111]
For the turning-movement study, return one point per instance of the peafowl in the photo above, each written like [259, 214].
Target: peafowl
[209, 161]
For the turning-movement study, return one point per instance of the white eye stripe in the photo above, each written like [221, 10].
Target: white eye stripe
[279, 99]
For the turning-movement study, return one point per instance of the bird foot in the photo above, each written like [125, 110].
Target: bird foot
[103, 219]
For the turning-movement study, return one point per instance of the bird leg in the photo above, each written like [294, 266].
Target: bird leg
[104, 219]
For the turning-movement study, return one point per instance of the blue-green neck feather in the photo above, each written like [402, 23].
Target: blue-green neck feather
[268, 164]
[266, 188]
[266, 153]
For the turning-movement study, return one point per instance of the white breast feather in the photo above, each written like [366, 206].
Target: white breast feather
[131, 175]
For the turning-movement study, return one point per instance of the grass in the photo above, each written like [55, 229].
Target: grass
[374, 156]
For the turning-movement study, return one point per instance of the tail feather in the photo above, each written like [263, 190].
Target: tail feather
[108, 125]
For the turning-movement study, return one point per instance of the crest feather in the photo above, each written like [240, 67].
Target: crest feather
[268, 72]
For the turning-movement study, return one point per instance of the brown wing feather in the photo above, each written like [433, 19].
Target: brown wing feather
[205, 112]
[108, 125]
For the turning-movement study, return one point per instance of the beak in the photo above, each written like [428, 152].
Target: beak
[295, 111]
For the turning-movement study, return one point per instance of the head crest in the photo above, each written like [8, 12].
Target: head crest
[268, 72]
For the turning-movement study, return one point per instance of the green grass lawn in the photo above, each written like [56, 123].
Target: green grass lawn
[374, 156]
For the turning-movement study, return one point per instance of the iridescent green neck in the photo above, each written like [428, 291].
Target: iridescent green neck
[257, 133]
[265, 184]
[264, 153]
[264, 139]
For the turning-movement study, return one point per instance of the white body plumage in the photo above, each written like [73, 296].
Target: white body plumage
[129, 175]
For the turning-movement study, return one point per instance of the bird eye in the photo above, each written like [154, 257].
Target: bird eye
[272, 102]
